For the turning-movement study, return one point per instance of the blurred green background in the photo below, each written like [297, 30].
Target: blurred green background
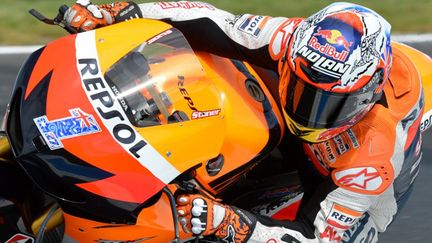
[17, 27]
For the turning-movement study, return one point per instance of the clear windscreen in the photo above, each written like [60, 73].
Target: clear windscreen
[151, 82]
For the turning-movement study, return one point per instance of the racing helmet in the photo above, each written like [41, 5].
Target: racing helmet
[335, 69]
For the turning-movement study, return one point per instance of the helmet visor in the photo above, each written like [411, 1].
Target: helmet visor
[316, 108]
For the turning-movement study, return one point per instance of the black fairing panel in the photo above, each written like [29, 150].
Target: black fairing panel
[56, 171]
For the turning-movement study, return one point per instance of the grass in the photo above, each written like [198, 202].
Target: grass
[18, 27]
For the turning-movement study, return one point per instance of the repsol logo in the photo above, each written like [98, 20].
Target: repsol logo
[184, 92]
[341, 146]
[342, 218]
[254, 23]
[108, 108]
[426, 121]
[323, 64]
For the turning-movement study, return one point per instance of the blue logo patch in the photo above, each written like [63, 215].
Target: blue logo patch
[79, 124]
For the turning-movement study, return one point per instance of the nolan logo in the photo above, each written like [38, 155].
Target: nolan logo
[324, 64]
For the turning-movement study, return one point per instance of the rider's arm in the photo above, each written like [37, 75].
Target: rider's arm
[261, 40]
[242, 37]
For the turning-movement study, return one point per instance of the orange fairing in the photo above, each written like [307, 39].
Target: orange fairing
[423, 64]
[154, 224]
[247, 130]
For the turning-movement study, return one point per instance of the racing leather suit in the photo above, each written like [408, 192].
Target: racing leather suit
[368, 170]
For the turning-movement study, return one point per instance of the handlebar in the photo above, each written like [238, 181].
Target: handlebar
[58, 20]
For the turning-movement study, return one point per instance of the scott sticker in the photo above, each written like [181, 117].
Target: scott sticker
[79, 124]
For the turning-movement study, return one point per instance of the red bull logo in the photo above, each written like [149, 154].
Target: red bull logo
[334, 37]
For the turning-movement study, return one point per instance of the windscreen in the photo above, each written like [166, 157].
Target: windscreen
[150, 81]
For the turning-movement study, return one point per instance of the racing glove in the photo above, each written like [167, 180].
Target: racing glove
[203, 216]
[200, 215]
[84, 15]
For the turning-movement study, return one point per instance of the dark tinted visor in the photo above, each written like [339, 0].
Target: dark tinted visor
[314, 108]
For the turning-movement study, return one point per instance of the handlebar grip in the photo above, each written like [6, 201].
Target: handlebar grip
[62, 10]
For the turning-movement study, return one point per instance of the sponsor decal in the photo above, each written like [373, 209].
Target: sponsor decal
[426, 121]
[328, 50]
[79, 124]
[329, 152]
[341, 145]
[332, 43]
[334, 37]
[159, 36]
[276, 205]
[353, 138]
[128, 13]
[364, 178]
[204, 114]
[331, 234]
[105, 103]
[324, 64]
[342, 217]
[196, 114]
[185, 5]
[110, 112]
[253, 25]
[20, 238]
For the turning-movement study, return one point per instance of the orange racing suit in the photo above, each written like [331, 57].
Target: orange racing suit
[367, 171]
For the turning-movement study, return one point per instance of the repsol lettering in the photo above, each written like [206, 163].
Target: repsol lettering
[341, 146]
[329, 152]
[342, 218]
[426, 121]
[185, 93]
[321, 63]
[105, 103]
[255, 22]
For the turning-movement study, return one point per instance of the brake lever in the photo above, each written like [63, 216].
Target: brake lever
[58, 20]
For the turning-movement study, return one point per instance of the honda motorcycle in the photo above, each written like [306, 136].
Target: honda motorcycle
[104, 127]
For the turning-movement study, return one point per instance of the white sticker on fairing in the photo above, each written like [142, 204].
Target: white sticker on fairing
[78, 124]
[111, 113]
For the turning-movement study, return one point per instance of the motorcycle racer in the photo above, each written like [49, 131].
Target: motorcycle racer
[355, 101]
